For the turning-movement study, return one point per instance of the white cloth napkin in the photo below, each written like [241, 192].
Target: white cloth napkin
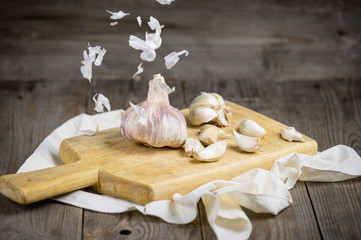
[258, 190]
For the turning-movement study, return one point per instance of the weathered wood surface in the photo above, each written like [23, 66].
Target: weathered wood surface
[30, 110]
[269, 40]
[237, 48]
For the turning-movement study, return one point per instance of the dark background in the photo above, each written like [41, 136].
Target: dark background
[227, 39]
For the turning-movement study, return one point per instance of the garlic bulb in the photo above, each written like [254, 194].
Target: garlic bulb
[246, 143]
[250, 128]
[211, 134]
[195, 149]
[154, 122]
[209, 107]
[291, 135]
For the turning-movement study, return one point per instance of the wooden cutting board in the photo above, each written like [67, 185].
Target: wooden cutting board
[119, 168]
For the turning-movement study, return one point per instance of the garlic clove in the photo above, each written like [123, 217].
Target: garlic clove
[246, 143]
[206, 126]
[221, 113]
[201, 115]
[211, 153]
[250, 128]
[209, 135]
[204, 100]
[219, 99]
[154, 122]
[222, 134]
[291, 135]
[192, 145]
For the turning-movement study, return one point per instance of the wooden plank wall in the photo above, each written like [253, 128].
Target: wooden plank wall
[227, 39]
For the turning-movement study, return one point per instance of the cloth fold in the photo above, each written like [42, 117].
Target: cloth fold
[258, 190]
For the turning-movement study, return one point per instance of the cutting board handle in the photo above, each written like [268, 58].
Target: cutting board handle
[29, 187]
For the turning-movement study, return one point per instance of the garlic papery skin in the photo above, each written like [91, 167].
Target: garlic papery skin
[291, 135]
[211, 134]
[246, 143]
[209, 107]
[154, 122]
[250, 128]
[192, 145]
[211, 153]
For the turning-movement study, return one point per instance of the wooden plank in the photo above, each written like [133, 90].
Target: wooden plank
[295, 222]
[337, 116]
[254, 41]
[30, 111]
[134, 225]
[266, 98]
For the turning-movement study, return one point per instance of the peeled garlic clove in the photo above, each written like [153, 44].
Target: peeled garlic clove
[192, 145]
[154, 122]
[208, 135]
[222, 134]
[201, 115]
[250, 128]
[218, 112]
[211, 134]
[246, 143]
[211, 153]
[291, 135]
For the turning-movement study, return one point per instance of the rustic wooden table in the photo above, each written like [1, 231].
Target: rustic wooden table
[298, 63]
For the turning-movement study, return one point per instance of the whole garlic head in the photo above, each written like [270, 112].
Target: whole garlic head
[209, 107]
[154, 122]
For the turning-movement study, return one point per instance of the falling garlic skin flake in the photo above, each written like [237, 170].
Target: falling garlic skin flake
[87, 66]
[139, 20]
[148, 53]
[139, 71]
[101, 102]
[117, 15]
[165, 2]
[151, 43]
[172, 58]
[95, 56]
[98, 54]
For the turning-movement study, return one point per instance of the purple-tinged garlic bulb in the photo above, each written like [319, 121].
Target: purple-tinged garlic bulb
[154, 122]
